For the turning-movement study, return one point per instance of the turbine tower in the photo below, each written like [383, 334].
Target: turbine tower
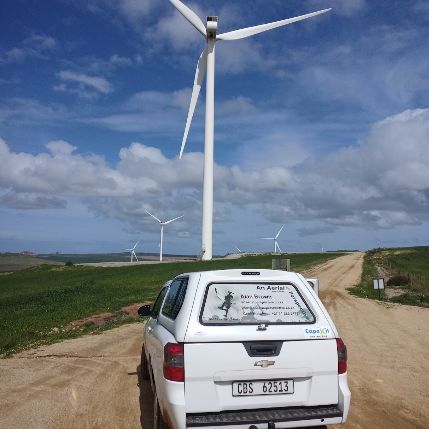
[132, 252]
[206, 65]
[276, 244]
[162, 230]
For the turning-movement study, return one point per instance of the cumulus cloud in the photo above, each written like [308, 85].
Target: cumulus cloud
[82, 84]
[381, 182]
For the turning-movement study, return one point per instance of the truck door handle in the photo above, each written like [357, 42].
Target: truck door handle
[260, 349]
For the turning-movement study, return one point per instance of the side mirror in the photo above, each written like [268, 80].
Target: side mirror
[314, 283]
[144, 311]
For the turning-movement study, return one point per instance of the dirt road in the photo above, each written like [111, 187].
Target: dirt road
[388, 347]
[92, 382]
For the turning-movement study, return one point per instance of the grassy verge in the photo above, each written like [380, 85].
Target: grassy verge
[36, 303]
[405, 270]
[364, 288]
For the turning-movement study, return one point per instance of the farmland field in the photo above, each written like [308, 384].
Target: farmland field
[13, 262]
[36, 303]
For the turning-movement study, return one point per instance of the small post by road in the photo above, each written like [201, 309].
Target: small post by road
[280, 264]
[378, 285]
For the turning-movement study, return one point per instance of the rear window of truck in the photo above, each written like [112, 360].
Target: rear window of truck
[254, 303]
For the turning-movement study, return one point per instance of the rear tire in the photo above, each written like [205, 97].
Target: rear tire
[144, 366]
[158, 421]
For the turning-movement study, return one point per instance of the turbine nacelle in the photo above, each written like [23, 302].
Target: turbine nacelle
[211, 27]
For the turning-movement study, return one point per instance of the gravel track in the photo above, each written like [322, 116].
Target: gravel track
[92, 381]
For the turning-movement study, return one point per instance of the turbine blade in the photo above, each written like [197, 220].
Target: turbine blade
[280, 230]
[150, 214]
[278, 247]
[200, 74]
[190, 15]
[135, 245]
[250, 31]
[267, 238]
[172, 220]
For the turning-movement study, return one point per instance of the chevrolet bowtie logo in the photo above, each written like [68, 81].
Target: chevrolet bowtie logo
[264, 363]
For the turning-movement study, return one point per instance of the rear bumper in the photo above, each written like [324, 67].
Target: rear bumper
[307, 416]
[344, 395]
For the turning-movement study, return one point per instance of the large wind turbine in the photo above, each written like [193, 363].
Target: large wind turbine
[132, 252]
[276, 244]
[206, 65]
[162, 230]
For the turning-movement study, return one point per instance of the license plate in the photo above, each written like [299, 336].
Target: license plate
[262, 387]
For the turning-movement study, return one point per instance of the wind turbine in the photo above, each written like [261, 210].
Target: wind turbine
[133, 253]
[162, 230]
[206, 65]
[276, 244]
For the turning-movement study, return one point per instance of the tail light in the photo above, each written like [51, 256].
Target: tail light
[174, 362]
[342, 356]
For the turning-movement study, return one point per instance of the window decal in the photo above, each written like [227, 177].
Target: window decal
[251, 303]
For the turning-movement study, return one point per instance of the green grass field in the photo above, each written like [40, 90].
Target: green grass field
[411, 263]
[37, 302]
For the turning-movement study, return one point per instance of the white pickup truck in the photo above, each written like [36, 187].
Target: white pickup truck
[243, 349]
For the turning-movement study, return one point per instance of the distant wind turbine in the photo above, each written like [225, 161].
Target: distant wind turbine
[162, 230]
[239, 251]
[206, 65]
[276, 244]
[132, 252]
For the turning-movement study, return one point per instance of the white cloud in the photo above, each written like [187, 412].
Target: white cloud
[175, 31]
[112, 63]
[379, 72]
[35, 46]
[241, 55]
[420, 7]
[342, 7]
[29, 111]
[134, 11]
[381, 182]
[82, 84]
[30, 201]
[60, 148]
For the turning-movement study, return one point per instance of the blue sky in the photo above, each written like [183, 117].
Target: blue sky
[322, 125]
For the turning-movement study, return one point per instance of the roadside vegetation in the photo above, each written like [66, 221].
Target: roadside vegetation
[39, 304]
[405, 272]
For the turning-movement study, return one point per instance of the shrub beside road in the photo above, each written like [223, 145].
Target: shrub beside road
[405, 271]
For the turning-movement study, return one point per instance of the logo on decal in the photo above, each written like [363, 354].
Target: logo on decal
[318, 331]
